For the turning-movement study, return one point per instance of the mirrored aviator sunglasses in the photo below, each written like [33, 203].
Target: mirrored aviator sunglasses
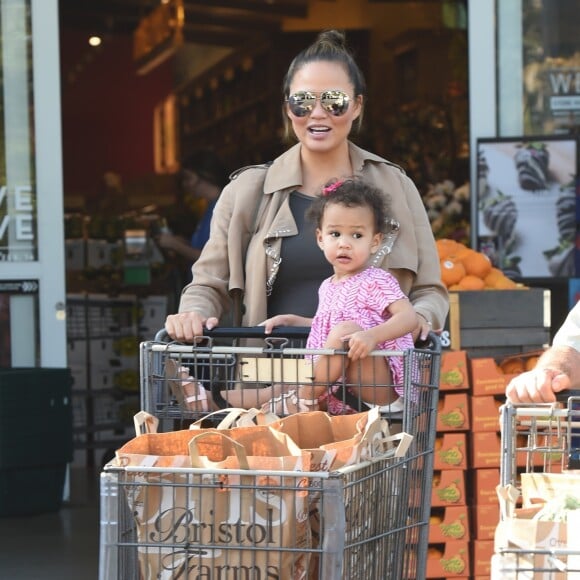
[302, 103]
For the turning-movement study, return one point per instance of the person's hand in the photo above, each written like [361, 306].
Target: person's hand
[185, 326]
[283, 320]
[167, 241]
[422, 329]
[360, 344]
[537, 386]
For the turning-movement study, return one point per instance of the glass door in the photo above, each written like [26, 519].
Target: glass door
[32, 277]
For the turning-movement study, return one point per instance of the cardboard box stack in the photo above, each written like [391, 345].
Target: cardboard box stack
[104, 333]
[449, 531]
[487, 395]
[490, 341]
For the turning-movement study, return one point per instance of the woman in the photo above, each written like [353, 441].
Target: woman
[260, 243]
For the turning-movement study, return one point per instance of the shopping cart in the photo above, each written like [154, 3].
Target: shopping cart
[178, 380]
[536, 439]
[372, 518]
[182, 383]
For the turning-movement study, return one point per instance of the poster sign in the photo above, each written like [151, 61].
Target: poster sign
[527, 205]
[17, 224]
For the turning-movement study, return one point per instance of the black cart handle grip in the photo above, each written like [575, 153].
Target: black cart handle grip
[245, 332]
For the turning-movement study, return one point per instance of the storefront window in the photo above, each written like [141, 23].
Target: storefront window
[18, 239]
[538, 67]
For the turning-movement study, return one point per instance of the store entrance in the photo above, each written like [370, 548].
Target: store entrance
[125, 134]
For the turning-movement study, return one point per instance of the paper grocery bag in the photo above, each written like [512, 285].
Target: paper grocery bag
[221, 522]
[334, 440]
[528, 537]
[549, 486]
[574, 545]
[156, 450]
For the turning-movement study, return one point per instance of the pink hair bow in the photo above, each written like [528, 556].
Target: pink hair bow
[332, 187]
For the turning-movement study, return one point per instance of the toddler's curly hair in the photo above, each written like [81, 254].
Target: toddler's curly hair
[352, 192]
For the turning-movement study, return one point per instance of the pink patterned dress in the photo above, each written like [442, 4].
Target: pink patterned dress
[363, 299]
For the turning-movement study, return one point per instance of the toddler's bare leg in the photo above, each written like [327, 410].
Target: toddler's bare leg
[369, 378]
[251, 398]
[330, 368]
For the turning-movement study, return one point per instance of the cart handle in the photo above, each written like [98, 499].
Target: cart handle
[432, 342]
[245, 332]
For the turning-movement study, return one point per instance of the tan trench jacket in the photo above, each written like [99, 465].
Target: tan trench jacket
[253, 214]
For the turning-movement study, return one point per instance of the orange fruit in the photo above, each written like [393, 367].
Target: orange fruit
[451, 272]
[492, 277]
[461, 254]
[446, 247]
[512, 366]
[477, 264]
[471, 282]
[531, 362]
[505, 283]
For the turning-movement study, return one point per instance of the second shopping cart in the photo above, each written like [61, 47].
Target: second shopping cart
[539, 498]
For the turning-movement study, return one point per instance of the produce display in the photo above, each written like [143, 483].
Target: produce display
[463, 268]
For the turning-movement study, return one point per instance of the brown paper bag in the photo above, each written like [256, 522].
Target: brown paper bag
[548, 486]
[335, 442]
[547, 522]
[195, 524]
[238, 417]
[531, 536]
[338, 440]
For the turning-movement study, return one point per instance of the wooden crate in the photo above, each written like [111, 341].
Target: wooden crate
[499, 322]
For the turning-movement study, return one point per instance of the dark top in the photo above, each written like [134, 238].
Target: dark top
[303, 266]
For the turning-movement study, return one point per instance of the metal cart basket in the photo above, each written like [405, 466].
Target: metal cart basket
[538, 439]
[181, 383]
[366, 521]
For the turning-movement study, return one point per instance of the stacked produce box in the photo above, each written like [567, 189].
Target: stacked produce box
[449, 530]
[496, 329]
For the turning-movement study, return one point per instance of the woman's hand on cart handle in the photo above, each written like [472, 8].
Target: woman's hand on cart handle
[185, 326]
[423, 328]
[300, 332]
[539, 385]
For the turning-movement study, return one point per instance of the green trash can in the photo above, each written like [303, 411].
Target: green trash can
[36, 440]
